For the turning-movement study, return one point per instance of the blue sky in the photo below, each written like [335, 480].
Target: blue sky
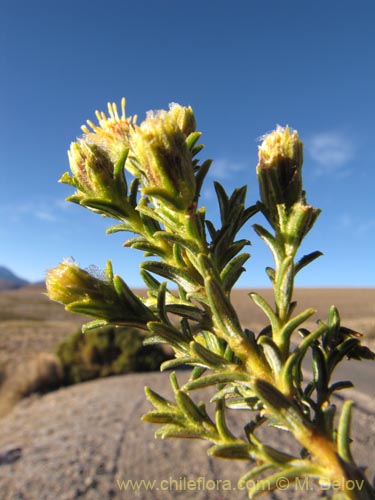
[244, 66]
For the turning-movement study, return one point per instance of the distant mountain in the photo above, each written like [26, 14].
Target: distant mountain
[9, 281]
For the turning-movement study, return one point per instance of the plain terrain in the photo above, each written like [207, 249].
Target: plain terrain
[30, 323]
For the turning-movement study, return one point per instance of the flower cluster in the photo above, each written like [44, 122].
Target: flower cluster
[262, 373]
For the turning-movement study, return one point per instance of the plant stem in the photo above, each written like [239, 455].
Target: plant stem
[225, 319]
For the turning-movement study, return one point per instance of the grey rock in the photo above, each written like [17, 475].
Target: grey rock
[87, 441]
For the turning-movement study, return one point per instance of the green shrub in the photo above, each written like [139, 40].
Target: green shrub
[107, 351]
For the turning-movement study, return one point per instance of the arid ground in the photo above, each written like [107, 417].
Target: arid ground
[82, 441]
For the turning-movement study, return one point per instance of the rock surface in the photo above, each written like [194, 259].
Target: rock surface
[88, 441]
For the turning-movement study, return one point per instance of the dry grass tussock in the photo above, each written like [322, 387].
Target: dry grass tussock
[40, 374]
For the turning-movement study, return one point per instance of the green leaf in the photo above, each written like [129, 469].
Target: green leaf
[196, 149]
[321, 377]
[186, 311]
[199, 297]
[271, 274]
[148, 214]
[172, 273]
[233, 451]
[252, 426]
[343, 432]
[176, 431]
[220, 377]
[197, 372]
[186, 330]
[253, 473]
[225, 236]
[284, 287]
[192, 139]
[132, 302]
[339, 386]
[207, 357]
[67, 179]
[178, 362]
[164, 196]
[238, 197]
[141, 243]
[151, 283]
[189, 408]
[240, 403]
[161, 304]
[163, 417]
[223, 200]
[133, 192]
[170, 334]
[287, 476]
[104, 207]
[211, 229]
[305, 260]
[157, 339]
[267, 309]
[340, 352]
[271, 242]
[119, 227]
[249, 212]
[272, 354]
[212, 342]
[117, 318]
[118, 171]
[333, 323]
[329, 412]
[232, 271]
[97, 323]
[200, 176]
[283, 409]
[158, 401]
[233, 249]
[178, 240]
[295, 322]
[226, 392]
[223, 310]
[296, 357]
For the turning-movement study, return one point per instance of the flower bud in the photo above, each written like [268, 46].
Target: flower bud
[92, 168]
[159, 149]
[183, 117]
[107, 298]
[279, 169]
[68, 283]
[100, 185]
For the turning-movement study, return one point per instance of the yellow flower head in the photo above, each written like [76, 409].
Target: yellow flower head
[112, 132]
[282, 143]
